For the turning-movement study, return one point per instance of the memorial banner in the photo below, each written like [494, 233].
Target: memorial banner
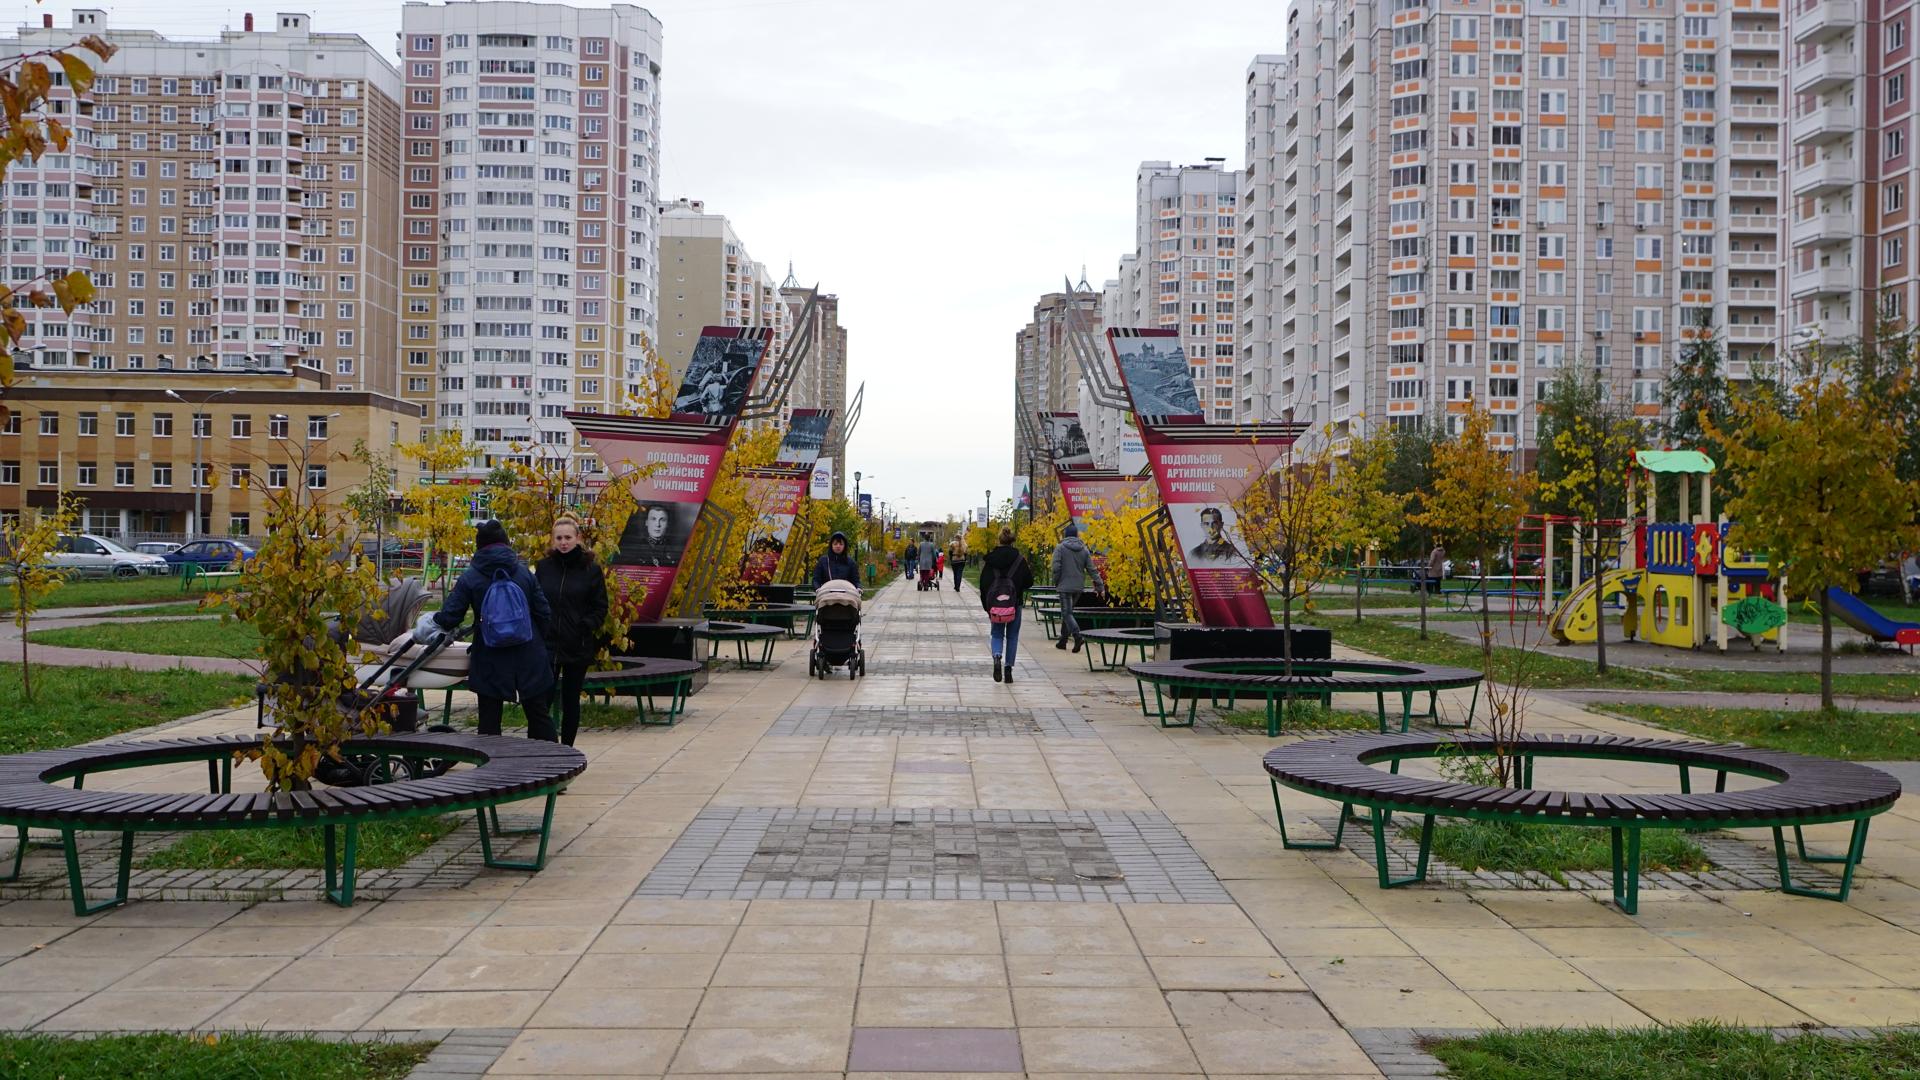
[806, 436]
[670, 463]
[775, 495]
[1153, 369]
[1094, 493]
[1066, 440]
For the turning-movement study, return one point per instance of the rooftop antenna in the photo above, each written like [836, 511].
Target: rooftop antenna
[791, 282]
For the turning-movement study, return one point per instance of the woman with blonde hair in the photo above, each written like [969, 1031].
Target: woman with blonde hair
[577, 591]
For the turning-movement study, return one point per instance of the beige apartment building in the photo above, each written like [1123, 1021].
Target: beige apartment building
[234, 200]
[709, 279]
[821, 381]
[143, 449]
[1456, 201]
[1045, 369]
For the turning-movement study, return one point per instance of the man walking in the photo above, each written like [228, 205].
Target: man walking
[1072, 567]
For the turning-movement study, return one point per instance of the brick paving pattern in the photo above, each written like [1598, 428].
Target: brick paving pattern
[932, 721]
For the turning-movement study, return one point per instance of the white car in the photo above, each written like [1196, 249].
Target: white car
[87, 555]
[156, 547]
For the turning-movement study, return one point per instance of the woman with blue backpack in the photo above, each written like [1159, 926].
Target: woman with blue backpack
[507, 659]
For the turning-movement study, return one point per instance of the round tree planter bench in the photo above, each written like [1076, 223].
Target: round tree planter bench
[744, 637]
[506, 770]
[1806, 791]
[1314, 679]
[795, 619]
[645, 677]
[1114, 645]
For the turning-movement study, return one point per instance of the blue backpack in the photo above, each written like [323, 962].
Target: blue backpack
[504, 618]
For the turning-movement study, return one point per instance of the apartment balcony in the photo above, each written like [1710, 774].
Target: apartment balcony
[1754, 185]
[1766, 113]
[1823, 229]
[1756, 40]
[1833, 174]
[1750, 333]
[1829, 122]
[1826, 19]
[1754, 151]
[1343, 179]
[1759, 260]
[1749, 223]
[1824, 281]
[1767, 75]
[1764, 297]
[1343, 313]
[1827, 71]
[1342, 346]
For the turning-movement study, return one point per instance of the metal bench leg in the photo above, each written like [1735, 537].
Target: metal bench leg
[1433, 707]
[1686, 780]
[341, 871]
[1626, 869]
[1140, 686]
[493, 817]
[19, 852]
[1380, 820]
[1856, 851]
[1273, 718]
[1306, 845]
[78, 886]
[1380, 707]
[1406, 711]
[540, 858]
[1800, 845]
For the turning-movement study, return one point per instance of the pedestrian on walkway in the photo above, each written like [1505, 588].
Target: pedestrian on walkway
[501, 673]
[929, 564]
[1072, 570]
[576, 590]
[1437, 566]
[836, 563]
[957, 562]
[1005, 578]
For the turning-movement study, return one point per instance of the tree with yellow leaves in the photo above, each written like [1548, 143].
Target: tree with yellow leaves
[749, 448]
[1371, 513]
[437, 512]
[27, 131]
[1588, 439]
[1477, 498]
[25, 546]
[1041, 533]
[1114, 539]
[1289, 522]
[1819, 485]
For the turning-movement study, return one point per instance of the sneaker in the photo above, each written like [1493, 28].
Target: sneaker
[996, 669]
[1009, 675]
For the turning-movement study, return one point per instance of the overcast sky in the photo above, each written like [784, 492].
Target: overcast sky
[938, 165]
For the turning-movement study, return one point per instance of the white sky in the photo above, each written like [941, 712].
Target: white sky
[938, 165]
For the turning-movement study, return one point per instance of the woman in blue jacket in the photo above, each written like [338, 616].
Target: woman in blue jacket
[517, 672]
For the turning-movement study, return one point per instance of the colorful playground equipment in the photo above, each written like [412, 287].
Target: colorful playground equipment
[1863, 617]
[1675, 579]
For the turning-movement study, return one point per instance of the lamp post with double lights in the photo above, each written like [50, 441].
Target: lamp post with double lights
[199, 444]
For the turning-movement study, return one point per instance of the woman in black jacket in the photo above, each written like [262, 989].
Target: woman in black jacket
[1005, 559]
[836, 563]
[576, 589]
[498, 674]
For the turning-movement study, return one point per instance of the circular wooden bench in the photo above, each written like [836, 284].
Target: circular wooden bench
[1320, 679]
[1114, 644]
[505, 770]
[643, 677]
[795, 619]
[1805, 791]
[743, 636]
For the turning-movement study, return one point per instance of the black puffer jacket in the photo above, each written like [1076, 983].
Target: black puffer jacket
[577, 592]
[831, 567]
[515, 672]
[1005, 557]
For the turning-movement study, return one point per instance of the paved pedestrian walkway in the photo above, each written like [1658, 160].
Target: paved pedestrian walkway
[925, 870]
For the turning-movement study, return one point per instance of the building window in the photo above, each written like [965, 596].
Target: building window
[163, 476]
[317, 427]
[10, 473]
[1894, 194]
[239, 524]
[317, 477]
[238, 475]
[89, 474]
[89, 423]
[1896, 89]
[276, 476]
[163, 425]
[49, 474]
[1893, 251]
[242, 427]
[202, 426]
[1896, 143]
[49, 423]
[123, 474]
[277, 427]
[1896, 35]
[123, 425]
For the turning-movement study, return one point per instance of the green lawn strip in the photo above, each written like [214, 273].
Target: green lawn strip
[108, 592]
[183, 637]
[204, 1057]
[1889, 687]
[1301, 715]
[74, 705]
[381, 845]
[1552, 850]
[1701, 1051]
[1843, 734]
[594, 715]
[186, 608]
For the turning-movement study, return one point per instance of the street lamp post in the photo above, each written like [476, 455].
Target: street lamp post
[199, 443]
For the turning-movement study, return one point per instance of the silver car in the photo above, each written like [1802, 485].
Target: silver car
[88, 555]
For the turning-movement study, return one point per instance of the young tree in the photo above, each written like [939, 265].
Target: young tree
[1040, 534]
[656, 387]
[437, 514]
[371, 503]
[1476, 499]
[1820, 486]
[1289, 522]
[1697, 400]
[1410, 476]
[1114, 539]
[1371, 513]
[296, 591]
[1587, 442]
[27, 131]
[1881, 370]
[25, 547]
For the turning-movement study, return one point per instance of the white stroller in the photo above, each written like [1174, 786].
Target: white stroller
[836, 630]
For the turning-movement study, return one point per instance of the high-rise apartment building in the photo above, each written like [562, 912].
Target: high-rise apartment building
[707, 278]
[1045, 369]
[1849, 77]
[821, 381]
[1454, 202]
[235, 201]
[530, 243]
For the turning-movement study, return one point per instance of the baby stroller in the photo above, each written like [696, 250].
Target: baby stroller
[836, 631]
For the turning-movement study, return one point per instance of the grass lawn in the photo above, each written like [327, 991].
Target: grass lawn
[204, 1057]
[1299, 715]
[1553, 849]
[1850, 736]
[382, 845]
[106, 592]
[1695, 1052]
[594, 715]
[195, 637]
[190, 607]
[76, 705]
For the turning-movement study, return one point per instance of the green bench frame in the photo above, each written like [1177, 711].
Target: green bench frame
[1318, 680]
[743, 636]
[642, 683]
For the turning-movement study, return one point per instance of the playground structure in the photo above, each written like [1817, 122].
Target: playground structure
[1676, 579]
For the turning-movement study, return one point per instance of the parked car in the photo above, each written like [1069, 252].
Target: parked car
[211, 554]
[398, 554]
[156, 547]
[88, 555]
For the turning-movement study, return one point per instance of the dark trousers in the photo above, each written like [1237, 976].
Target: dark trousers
[539, 725]
[957, 571]
[571, 677]
[1069, 626]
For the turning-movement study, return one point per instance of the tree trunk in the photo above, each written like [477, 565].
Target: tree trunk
[1423, 606]
[1359, 575]
[1826, 654]
[1599, 621]
[26, 679]
[1486, 615]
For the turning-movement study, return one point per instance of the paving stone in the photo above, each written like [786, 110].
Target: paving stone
[957, 1050]
[942, 721]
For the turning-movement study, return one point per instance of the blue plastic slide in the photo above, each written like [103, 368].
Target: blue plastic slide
[1856, 613]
